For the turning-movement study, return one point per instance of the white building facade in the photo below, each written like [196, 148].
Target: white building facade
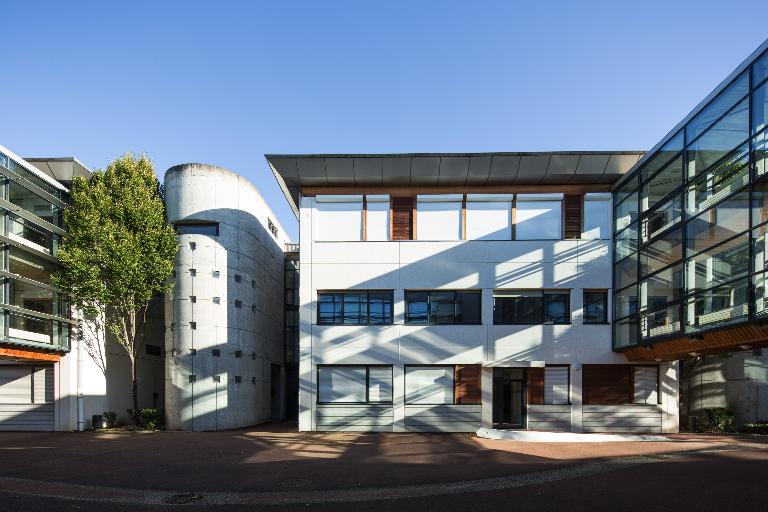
[451, 292]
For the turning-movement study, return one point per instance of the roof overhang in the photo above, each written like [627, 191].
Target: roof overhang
[293, 172]
[62, 169]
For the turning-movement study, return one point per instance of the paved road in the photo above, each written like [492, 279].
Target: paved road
[691, 474]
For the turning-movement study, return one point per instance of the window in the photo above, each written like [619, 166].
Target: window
[354, 308]
[531, 307]
[198, 228]
[717, 107]
[556, 384]
[354, 384]
[339, 218]
[489, 217]
[31, 202]
[442, 307]
[438, 217]
[595, 307]
[272, 228]
[30, 266]
[597, 216]
[539, 217]
[609, 384]
[377, 217]
[719, 140]
[153, 350]
[646, 384]
[27, 233]
[429, 384]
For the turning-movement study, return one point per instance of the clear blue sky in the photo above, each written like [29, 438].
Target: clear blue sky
[226, 82]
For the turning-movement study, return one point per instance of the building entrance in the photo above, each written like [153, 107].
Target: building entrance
[509, 398]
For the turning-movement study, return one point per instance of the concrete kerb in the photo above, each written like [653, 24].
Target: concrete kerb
[532, 436]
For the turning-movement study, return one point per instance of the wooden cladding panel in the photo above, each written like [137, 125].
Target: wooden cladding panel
[607, 384]
[573, 211]
[535, 386]
[28, 355]
[402, 218]
[467, 378]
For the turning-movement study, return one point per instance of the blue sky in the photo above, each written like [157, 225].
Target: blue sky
[226, 82]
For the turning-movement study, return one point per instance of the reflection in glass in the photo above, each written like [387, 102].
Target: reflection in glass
[717, 107]
[760, 290]
[33, 203]
[721, 139]
[626, 242]
[626, 271]
[662, 252]
[662, 156]
[717, 306]
[660, 323]
[662, 217]
[718, 264]
[727, 177]
[661, 288]
[625, 302]
[663, 184]
[626, 212]
[625, 332]
[760, 108]
[718, 223]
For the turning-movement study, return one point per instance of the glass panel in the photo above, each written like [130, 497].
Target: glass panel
[721, 181]
[661, 217]
[661, 288]
[416, 307]
[380, 384]
[29, 296]
[61, 334]
[329, 308]
[760, 287]
[538, 220]
[625, 302]
[29, 328]
[438, 220]
[557, 309]
[468, 307]
[339, 221]
[380, 307]
[660, 323]
[355, 308]
[33, 178]
[429, 385]
[760, 203]
[663, 155]
[209, 229]
[30, 266]
[597, 219]
[33, 203]
[626, 242]
[661, 185]
[760, 69]
[719, 264]
[625, 332]
[760, 108]
[489, 220]
[718, 224]
[341, 384]
[626, 212]
[760, 248]
[626, 189]
[520, 307]
[626, 271]
[760, 152]
[722, 305]
[441, 307]
[662, 252]
[595, 307]
[646, 385]
[720, 140]
[556, 381]
[29, 234]
[717, 107]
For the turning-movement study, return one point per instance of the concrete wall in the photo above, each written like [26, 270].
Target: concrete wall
[485, 265]
[243, 268]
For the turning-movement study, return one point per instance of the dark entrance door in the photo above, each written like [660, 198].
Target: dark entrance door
[509, 397]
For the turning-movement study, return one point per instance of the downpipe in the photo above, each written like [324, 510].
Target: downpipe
[80, 413]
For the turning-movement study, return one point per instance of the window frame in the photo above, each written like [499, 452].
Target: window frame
[585, 303]
[567, 292]
[544, 393]
[453, 387]
[407, 318]
[367, 383]
[367, 302]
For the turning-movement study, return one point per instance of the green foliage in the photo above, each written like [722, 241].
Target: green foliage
[755, 428]
[119, 249]
[721, 420]
[151, 419]
[111, 417]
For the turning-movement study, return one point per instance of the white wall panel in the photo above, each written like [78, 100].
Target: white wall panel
[489, 220]
[438, 220]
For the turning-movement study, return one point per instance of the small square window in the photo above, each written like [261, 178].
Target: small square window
[216, 273]
[153, 350]
[238, 278]
[238, 303]
[216, 300]
[193, 325]
[217, 378]
[193, 245]
[193, 272]
[238, 379]
[193, 351]
[238, 354]
[192, 299]
[216, 352]
[192, 378]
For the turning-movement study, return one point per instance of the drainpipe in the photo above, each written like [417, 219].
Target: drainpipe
[80, 417]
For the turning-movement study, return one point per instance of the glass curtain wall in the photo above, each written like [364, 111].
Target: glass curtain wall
[691, 224]
[33, 312]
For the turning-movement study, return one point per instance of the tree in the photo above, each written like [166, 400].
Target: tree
[119, 250]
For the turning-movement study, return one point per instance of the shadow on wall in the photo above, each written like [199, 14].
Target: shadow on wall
[234, 378]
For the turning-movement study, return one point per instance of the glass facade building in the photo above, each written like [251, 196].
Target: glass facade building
[691, 222]
[34, 312]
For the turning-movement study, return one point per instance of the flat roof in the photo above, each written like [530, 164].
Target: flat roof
[293, 172]
[62, 169]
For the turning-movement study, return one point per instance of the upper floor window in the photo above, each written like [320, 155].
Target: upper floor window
[489, 217]
[339, 218]
[377, 217]
[595, 306]
[354, 308]
[531, 307]
[198, 228]
[438, 217]
[597, 216]
[442, 307]
[539, 217]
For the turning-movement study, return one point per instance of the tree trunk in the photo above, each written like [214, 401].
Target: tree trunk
[134, 389]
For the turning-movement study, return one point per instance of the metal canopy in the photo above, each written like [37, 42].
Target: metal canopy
[449, 169]
[62, 169]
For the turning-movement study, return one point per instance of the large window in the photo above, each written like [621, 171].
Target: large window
[595, 306]
[442, 307]
[597, 216]
[539, 217]
[489, 217]
[438, 217]
[354, 308]
[31, 202]
[377, 217]
[435, 385]
[556, 385]
[339, 218]
[531, 307]
[354, 384]
[198, 228]
[609, 384]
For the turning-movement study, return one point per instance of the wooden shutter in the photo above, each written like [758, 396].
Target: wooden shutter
[607, 384]
[467, 384]
[573, 206]
[402, 218]
[535, 386]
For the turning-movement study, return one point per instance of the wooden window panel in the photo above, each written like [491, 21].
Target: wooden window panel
[467, 382]
[573, 208]
[607, 384]
[535, 386]
[403, 218]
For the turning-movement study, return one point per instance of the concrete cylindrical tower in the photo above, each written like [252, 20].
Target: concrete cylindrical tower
[224, 332]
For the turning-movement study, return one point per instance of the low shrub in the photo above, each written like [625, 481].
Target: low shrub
[151, 419]
[111, 417]
[720, 420]
[755, 428]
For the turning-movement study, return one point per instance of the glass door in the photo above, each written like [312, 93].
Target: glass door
[509, 398]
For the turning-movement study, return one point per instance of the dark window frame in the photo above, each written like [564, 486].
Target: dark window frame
[367, 383]
[586, 303]
[408, 318]
[497, 320]
[341, 293]
[183, 228]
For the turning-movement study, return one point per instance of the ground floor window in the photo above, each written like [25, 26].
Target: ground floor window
[614, 384]
[549, 385]
[433, 385]
[354, 384]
